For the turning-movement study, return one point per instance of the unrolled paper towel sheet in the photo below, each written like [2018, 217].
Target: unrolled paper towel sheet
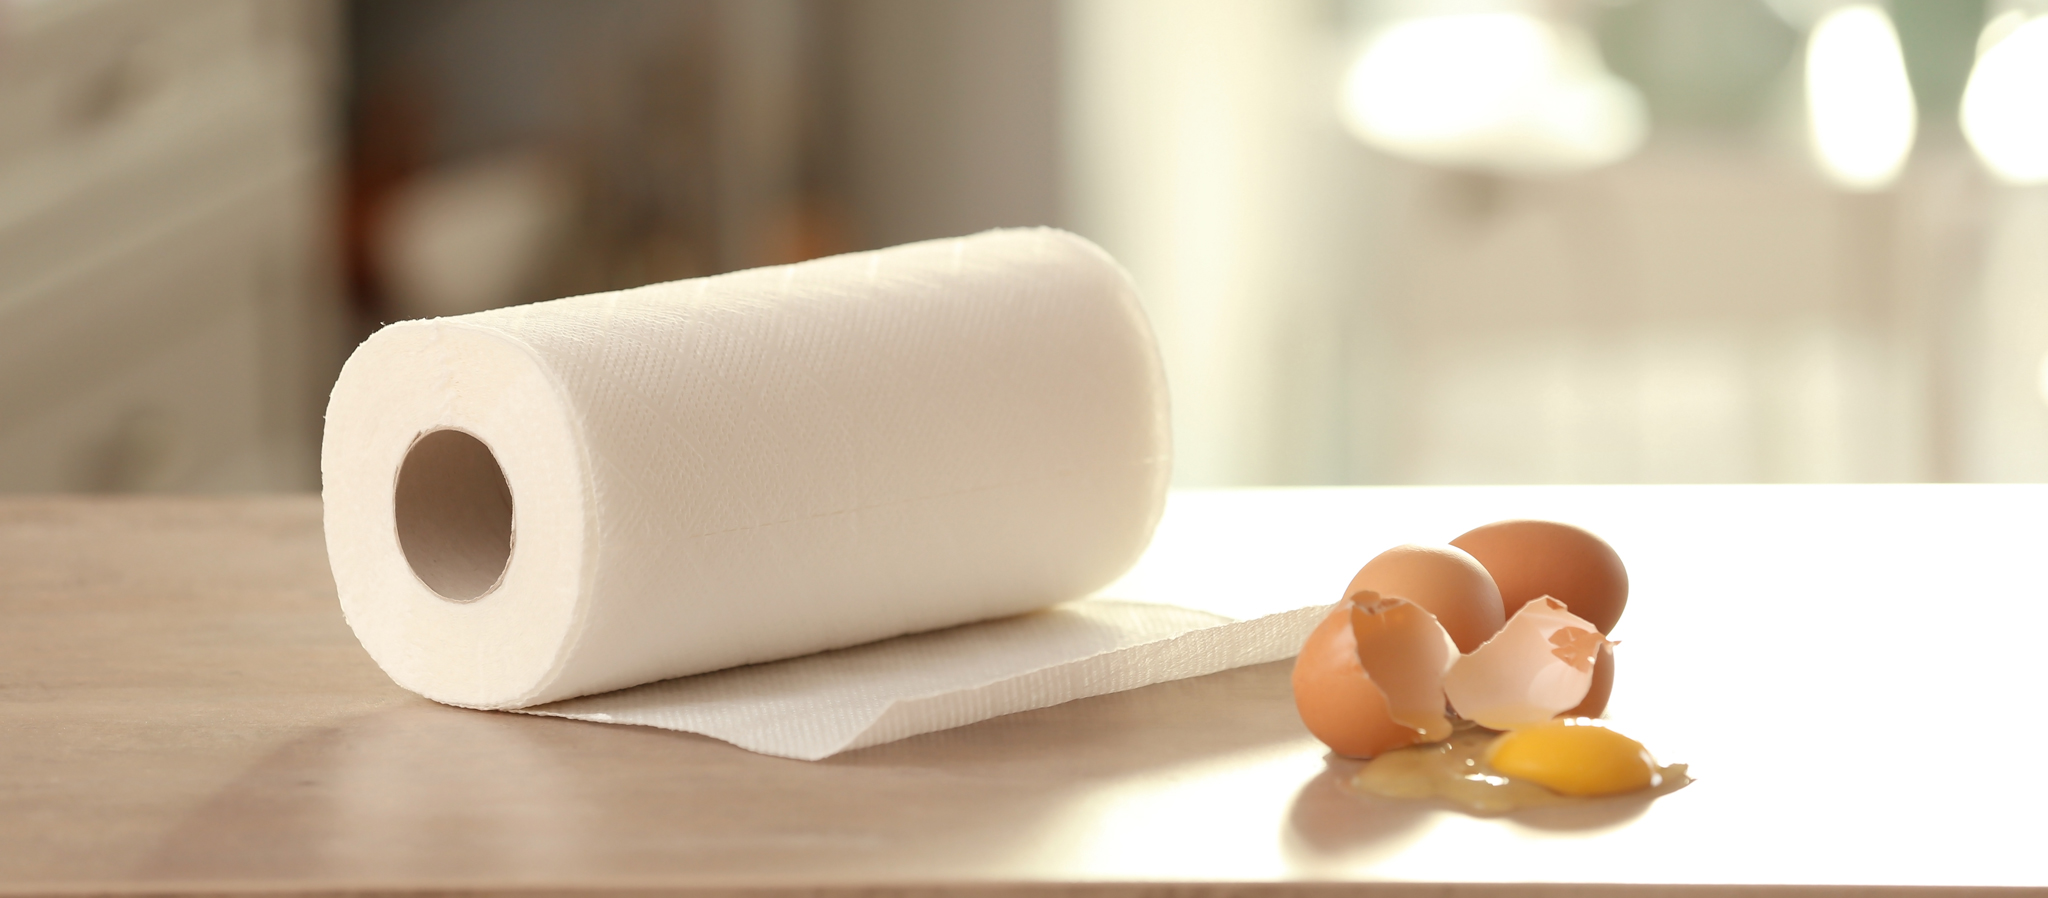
[1213, 605]
[528, 507]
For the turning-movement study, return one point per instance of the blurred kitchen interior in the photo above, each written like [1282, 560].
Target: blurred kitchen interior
[1383, 241]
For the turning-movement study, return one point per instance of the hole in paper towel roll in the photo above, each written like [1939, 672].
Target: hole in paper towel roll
[454, 514]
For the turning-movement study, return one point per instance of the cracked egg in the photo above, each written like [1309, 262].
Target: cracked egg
[1416, 669]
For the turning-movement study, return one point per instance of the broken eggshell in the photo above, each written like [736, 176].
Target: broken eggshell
[1405, 653]
[1540, 665]
[1378, 672]
[1595, 702]
[1370, 678]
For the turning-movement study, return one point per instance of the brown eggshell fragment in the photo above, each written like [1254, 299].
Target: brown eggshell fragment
[1405, 653]
[1530, 558]
[1595, 703]
[1445, 581]
[1337, 700]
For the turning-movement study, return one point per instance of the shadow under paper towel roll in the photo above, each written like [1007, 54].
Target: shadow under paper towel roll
[534, 503]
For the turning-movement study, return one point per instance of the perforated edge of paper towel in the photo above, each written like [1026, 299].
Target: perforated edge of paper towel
[816, 706]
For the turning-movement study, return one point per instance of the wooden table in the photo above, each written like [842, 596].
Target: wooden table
[182, 711]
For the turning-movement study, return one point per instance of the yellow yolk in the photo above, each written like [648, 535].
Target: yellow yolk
[1574, 756]
[1456, 771]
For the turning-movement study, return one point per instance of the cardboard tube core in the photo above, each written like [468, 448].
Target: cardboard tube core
[454, 515]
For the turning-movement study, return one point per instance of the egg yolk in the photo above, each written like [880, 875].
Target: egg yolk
[1574, 756]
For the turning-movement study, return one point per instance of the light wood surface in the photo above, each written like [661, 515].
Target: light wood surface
[183, 711]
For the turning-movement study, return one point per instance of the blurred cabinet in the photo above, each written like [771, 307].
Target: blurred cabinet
[168, 320]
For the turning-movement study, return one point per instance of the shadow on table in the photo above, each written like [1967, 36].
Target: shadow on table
[422, 792]
[1331, 825]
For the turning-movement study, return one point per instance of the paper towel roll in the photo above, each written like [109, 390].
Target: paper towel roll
[570, 497]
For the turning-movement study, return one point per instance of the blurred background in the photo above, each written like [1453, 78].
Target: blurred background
[1382, 241]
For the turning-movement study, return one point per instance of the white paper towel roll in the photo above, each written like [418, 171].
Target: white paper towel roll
[570, 497]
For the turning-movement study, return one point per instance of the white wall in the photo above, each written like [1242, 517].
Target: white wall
[1708, 311]
[1203, 152]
